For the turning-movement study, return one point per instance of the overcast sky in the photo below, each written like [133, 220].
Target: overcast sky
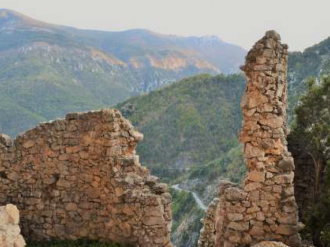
[301, 23]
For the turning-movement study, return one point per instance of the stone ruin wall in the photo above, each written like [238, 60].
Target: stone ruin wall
[265, 208]
[80, 178]
[208, 232]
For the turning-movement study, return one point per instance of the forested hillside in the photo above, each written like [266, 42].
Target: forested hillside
[187, 124]
[310, 140]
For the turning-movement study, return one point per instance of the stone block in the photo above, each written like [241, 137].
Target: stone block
[239, 226]
[286, 164]
[252, 186]
[9, 228]
[256, 176]
[235, 194]
[5, 140]
[235, 217]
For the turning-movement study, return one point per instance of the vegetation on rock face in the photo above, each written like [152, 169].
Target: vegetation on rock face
[311, 132]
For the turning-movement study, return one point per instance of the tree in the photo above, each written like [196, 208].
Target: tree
[312, 131]
[312, 127]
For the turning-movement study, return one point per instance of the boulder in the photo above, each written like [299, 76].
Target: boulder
[9, 229]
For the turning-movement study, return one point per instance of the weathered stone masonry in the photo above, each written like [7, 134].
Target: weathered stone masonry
[80, 178]
[265, 209]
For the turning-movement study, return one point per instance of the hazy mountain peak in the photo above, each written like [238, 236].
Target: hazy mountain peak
[7, 13]
[13, 16]
[142, 31]
[210, 39]
[13, 19]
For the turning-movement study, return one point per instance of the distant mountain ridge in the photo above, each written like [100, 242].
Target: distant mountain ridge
[130, 44]
[47, 70]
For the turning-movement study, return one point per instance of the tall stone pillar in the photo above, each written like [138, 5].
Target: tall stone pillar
[269, 182]
[264, 208]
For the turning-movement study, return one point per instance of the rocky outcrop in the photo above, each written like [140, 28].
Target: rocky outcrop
[80, 178]
[264, 208]
[9, 229]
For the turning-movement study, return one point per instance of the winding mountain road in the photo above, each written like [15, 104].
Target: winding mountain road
[196, 197]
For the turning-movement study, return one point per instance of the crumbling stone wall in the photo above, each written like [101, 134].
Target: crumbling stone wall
[208, 232]
[265, 208]
[80, 178]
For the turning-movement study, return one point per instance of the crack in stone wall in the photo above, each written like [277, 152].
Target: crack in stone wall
[265, 207]
[80, 178]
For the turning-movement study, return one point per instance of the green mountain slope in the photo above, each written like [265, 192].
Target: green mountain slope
[189, 123]
[49, 81]
[44, 74]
